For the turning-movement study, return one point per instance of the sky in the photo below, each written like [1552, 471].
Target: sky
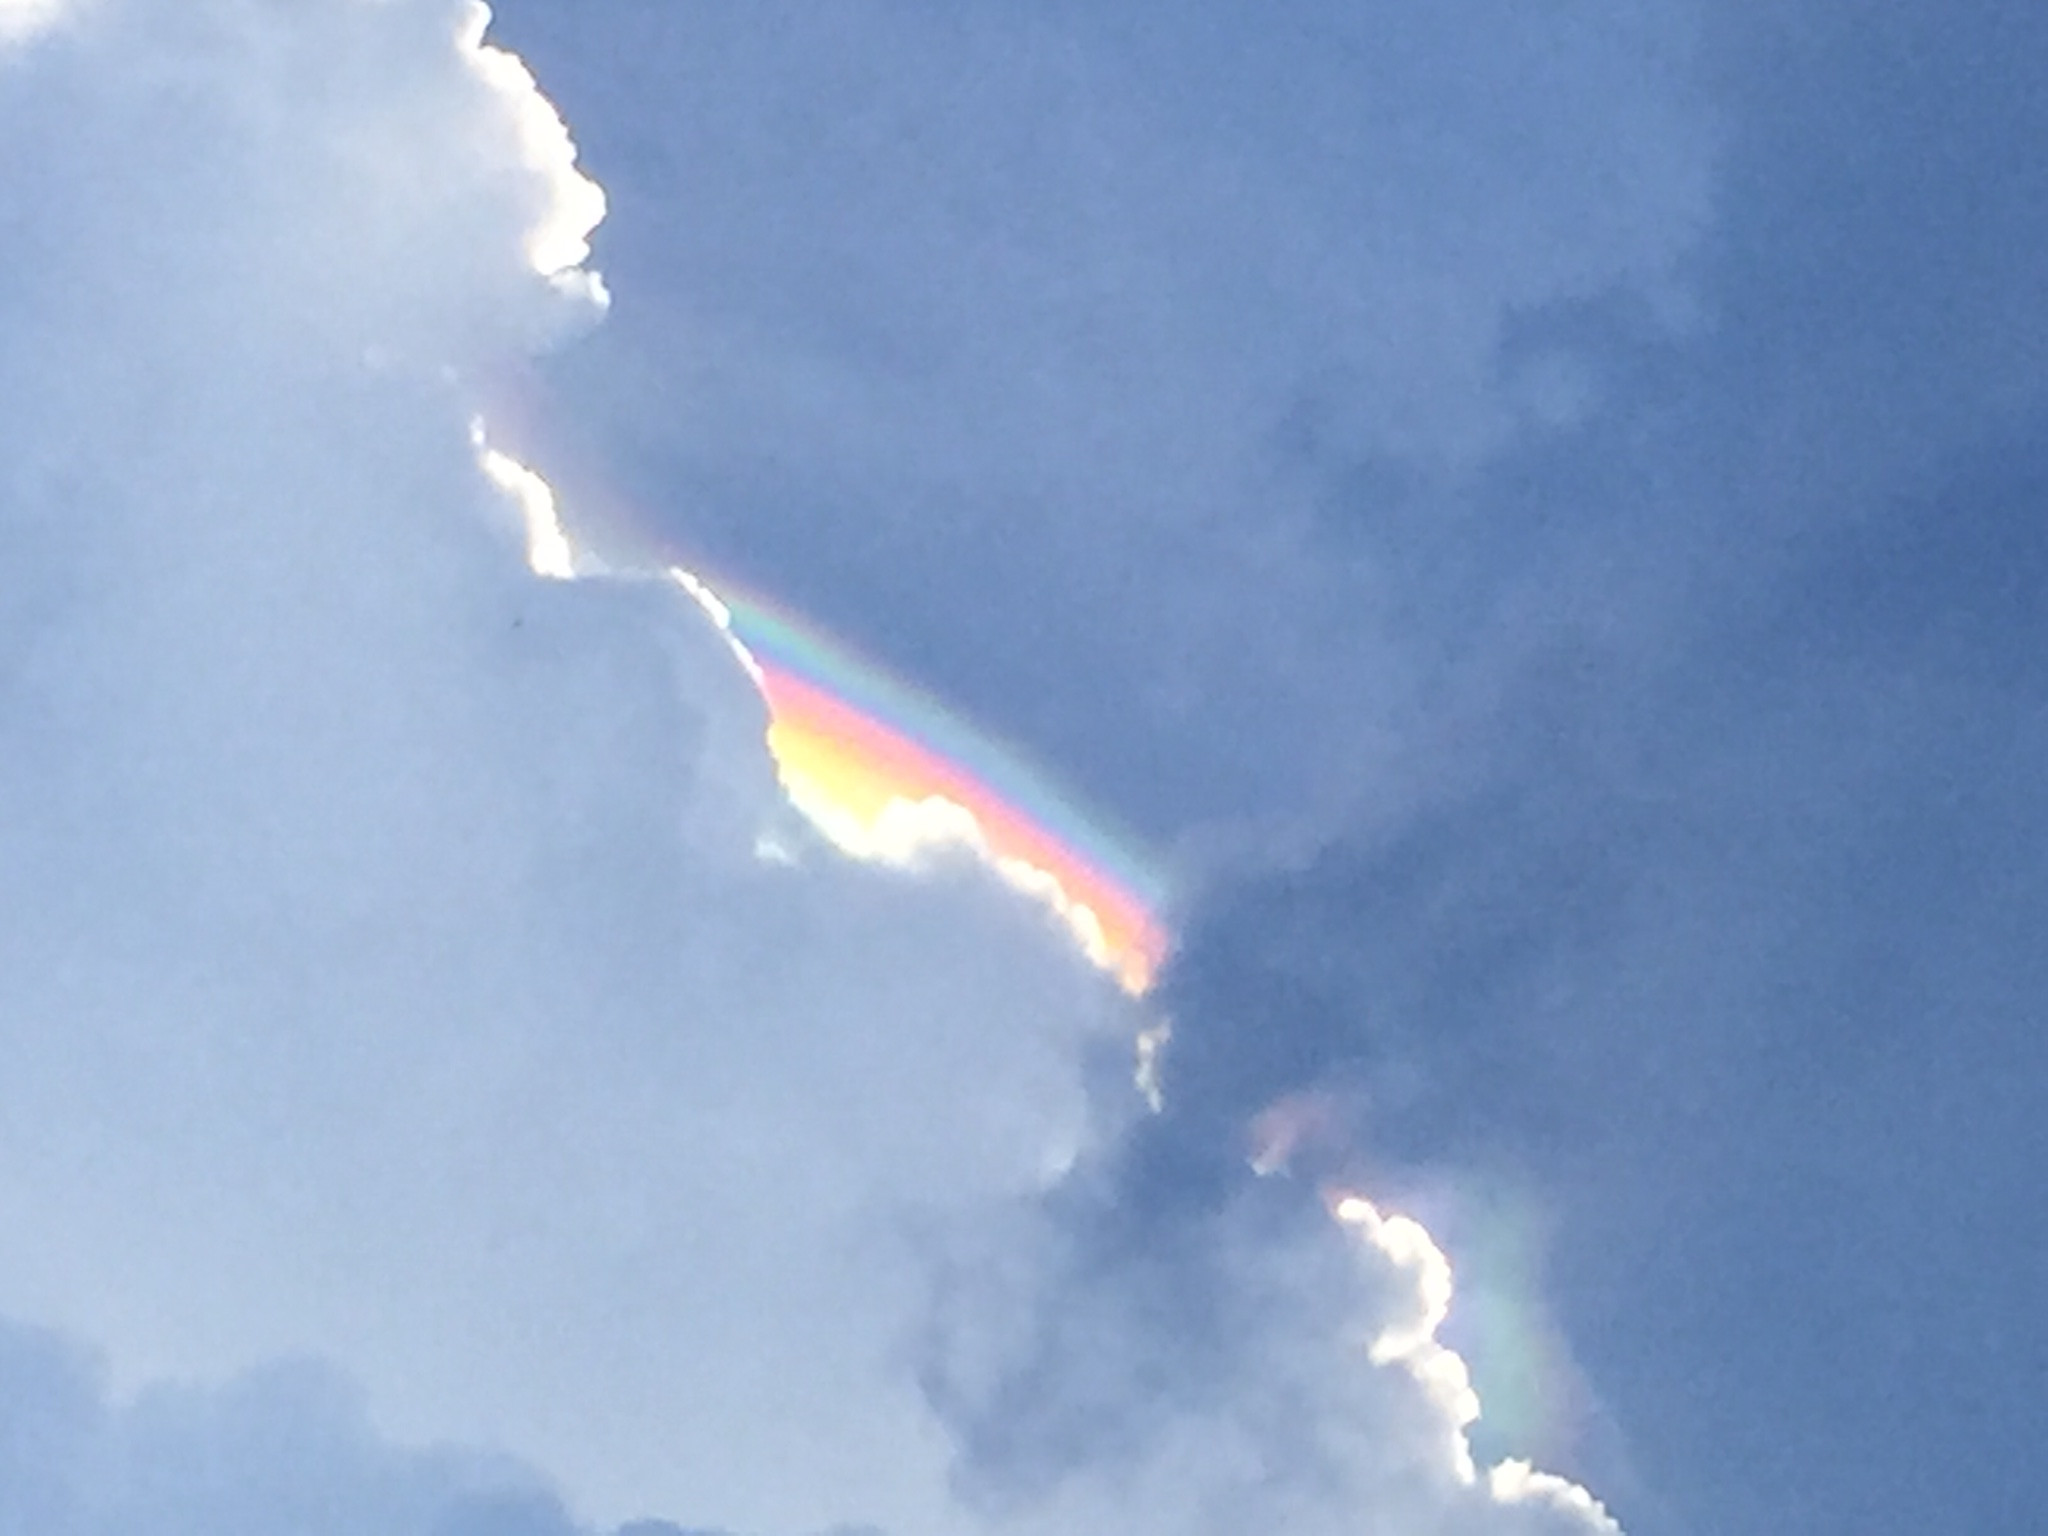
[1526, 528]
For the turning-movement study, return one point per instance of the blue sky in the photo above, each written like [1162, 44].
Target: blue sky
[1539, 520]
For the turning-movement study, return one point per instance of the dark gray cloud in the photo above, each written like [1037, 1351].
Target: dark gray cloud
[1730, 947]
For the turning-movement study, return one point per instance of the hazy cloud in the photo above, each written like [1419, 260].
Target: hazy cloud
[22, 19]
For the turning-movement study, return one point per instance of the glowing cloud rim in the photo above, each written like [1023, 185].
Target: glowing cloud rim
[1412, 1345]
[559, 242]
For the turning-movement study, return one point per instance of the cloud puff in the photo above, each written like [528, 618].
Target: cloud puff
[288, 1448]
[388, 966]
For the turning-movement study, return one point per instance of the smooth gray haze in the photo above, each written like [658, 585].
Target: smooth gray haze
[1537, 513]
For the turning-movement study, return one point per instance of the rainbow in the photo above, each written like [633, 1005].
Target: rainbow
[887, 773]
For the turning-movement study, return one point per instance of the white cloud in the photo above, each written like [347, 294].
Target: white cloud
[22, 19]
[388, 968]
